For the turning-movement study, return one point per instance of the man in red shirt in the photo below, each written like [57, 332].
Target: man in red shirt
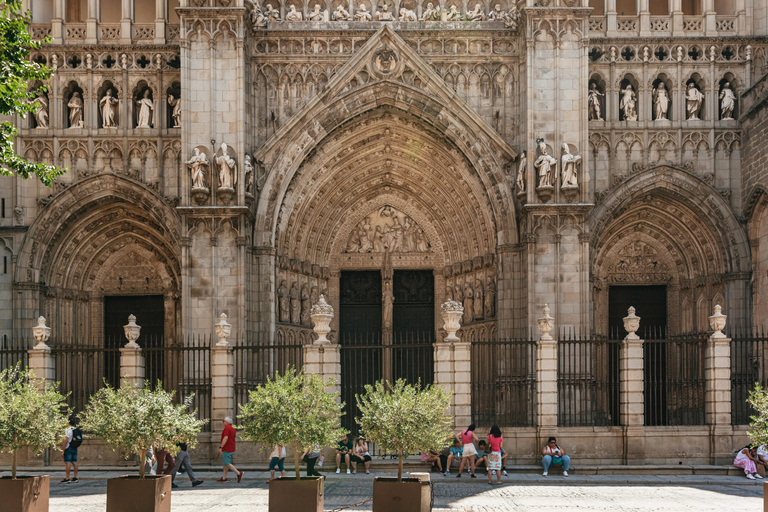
[227, 448]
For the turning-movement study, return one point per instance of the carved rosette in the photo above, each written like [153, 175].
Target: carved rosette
[132, 332]
[452, 313]
[546, 324]
[631, 324]
[717, 323]
[322, 314]
[223, 330]
[41, 333]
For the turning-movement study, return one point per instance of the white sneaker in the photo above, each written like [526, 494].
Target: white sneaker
[757, 475]
[338, 470]
[565, 473]
[349, 472]
[504, 472]
[750, 477]
[545, 473]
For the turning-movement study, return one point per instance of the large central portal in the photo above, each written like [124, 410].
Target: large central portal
[386, 331]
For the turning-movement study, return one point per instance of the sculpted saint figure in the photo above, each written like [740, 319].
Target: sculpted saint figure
[378, 240]
[387, 298]
[364, 233]
[282, 301]
[453, 14]
[362, 14]
[384, 14]
[295, 303]
[570, 164]
[305, 304]
[660, 102]
[227, 168]
[469, 303]
[198, 166]
[521, 171]
[490, 298]
[353, 245]
[272, 14]
[479, 304]
[248, 167]
[41, 110]
[176, 113]
[146, 106]
[108, 111]
[628, 103]
[293, 15]
[421, 241]
[313, 296]
[75, 105]
[594, 103]
[694, 98]
[341, 14]
[407, 15]
[477, 14]
[316, 14]
[727, 101]
[258, 19]
[430, 13]
[496, 14]
[544, 164]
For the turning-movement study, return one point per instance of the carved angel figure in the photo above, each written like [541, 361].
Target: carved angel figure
[545, 164]
[272, 14]
[628, 103]
[198, 166]
[384, 14]
[694, 99]
[293, 14]
[660, 102]
[430, 13]
[341, 14]
[227, 168]
[41, 110]
[176, 113]
[453, 14]
[75, 105]
[521, 171]
[407, 15]
[362, 14]
[727, 101]
[477, 14]
[570, 164]
[594, 103]
[146, 106]
[316, 14]
[108, 109]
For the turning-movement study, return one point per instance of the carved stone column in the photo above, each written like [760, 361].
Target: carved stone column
[132, 369]
[222, 375]
[41, 363]
[546, 376]
[631, 386]
[717, 395]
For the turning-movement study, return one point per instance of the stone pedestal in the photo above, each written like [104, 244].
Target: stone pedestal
[717, 397]
[42, 366]
[131, 367]
[325, 361]
[546, 385]
[453, 372]
[631, 398]
[222, 384]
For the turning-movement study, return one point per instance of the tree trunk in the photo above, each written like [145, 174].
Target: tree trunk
[400, 466]
[13, 465]
[142, 462]
[296, 453]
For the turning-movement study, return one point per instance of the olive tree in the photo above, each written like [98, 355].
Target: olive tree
[758, 399]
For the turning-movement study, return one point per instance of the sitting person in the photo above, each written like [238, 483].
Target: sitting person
[483, 450]
[762, 460]
[553, 455]
[746, 460]
[433, 457]
[343, 449]
[361, 455]
[455, 453]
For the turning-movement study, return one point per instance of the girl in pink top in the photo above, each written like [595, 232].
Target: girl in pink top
[494, 440]
[468, 438]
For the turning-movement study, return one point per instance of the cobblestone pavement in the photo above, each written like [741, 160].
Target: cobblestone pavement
[519, 493]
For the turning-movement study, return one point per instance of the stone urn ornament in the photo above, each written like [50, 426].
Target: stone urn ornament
[223, 330]
[546, 324]
[42, 333]
[321, 315]
[132, 332]
[452, 313]
[717, 323]
[631, 324]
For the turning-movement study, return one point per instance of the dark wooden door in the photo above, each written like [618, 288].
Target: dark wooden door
[413, 326]
[650, 303]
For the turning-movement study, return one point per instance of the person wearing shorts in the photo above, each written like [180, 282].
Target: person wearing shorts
[277, 461]
[454, 455]
[361, 455]
[227, 449]
[469, 452]
[70, 452]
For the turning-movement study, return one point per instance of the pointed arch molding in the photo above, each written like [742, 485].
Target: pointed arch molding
[81, 228]
[695, 226]
[362, 86]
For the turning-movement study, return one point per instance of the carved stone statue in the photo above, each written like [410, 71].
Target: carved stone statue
[248, 167]
[108, 105]
[479, 304]
[490, 298]
[570, 167]
[469, 303]
[430, 13]
[496, 14]
[362, 14]
[271, 14]
[453, 15]
[387, 298]
[545, 164]
[145, 106]
[295, 303]
[258, 19]
[384, 14]
[176, 113]
[448, 293]
[389, 229]
[628, 103]
[75, 105]
[363, 232]
[341, 14]
[694, 99]
[41, 110]
[521, 168]
[317, 14]
[227, 168]
[198, 167]
[293, 14]
[305, 304]
[727, 102]
[660, 102]
[594, 103]
[407, 15]
[421, 241]
[476, 14]
[313, 296]
[282, 301]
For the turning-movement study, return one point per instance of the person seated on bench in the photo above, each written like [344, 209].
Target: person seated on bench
[361, 455]
[455, 453]
[343, 450]
[434, 458]
[746, 460]
[553, 455]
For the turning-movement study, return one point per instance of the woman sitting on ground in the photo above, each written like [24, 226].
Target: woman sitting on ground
[434, 458]
[553, 455]
[361, 455]
[746, 460]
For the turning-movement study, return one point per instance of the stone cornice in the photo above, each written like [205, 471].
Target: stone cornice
[210, 12]
[221, 211]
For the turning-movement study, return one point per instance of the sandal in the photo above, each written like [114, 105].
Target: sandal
[221, 480]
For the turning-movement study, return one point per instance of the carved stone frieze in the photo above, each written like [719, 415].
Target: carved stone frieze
[387, 229]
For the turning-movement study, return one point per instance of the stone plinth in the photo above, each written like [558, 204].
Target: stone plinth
[546, 384]
[325, 361]
[222, 384]
[132, 367]
[42, 366]
[462, 383]
[717, 397]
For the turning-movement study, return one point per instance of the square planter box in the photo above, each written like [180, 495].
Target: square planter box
[129, 493]
[304, 495]
[410, 495]
[25, 494]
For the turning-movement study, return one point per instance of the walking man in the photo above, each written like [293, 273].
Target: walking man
[227, 449]
[69, 447]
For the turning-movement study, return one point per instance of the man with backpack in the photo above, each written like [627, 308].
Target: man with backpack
[69, 447]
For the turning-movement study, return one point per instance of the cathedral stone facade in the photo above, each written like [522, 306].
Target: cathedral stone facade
[228, 156]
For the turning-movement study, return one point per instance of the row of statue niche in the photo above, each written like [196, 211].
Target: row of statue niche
[479, 303]
[260, 17]
[293, 306]
[399, 236]
[199, 168]
[694, 99]
[546, 166]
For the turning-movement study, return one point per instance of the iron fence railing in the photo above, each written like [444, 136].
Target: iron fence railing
[13, 351]
[504, 382]
[82, 370]
[749, 350]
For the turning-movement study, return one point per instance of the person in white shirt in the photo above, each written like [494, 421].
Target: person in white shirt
[276, 461]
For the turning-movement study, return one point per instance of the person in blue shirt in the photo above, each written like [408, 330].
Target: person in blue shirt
[455, 453]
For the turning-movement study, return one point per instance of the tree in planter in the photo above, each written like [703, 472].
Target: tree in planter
[28, 416]
[758, 399]
[404, 418]
[292, 409]
[135, 419]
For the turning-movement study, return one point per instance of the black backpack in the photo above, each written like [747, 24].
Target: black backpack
[77, 438]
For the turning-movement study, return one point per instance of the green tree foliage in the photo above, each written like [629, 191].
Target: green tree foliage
[136, 419]
[292, 409]
[758, 399]
[29, 416]
[17, 72]
[404, 418]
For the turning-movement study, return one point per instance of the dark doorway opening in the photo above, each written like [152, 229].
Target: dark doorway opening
[413, 326]
[650, 303]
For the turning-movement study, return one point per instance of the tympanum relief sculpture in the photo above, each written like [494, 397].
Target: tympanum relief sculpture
[199, 167]
[387, 229]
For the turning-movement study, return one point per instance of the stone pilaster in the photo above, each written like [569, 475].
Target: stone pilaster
[462, 383]
[222, 384]
[443, 361]
[132, 367]
[717, 395]
[546, 384]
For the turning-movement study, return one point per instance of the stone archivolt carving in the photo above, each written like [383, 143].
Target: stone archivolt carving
[387, 229]
[199, 168]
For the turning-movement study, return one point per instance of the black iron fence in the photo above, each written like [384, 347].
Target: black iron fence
[749, 350]
[82, 370]
[504, 382]
[674, 380]
[587, 380]
[14, 351]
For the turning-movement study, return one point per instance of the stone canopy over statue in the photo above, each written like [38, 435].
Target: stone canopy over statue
[387, 229]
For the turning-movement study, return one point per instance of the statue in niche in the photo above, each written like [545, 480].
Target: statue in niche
[458, 293]
[469, 303]
[479, 303]
[545, 164]
[75, 105]
[594, 103]
[660, 102]
[146, 106]
[176, 112]
[362, 14]
[258, 19]
[271, 14]
[282, 302]
[341, 14]
[248, 166]
[41, 110]
[628, 103]
[448, 293]
[490, 298]
[313, 296]
[476, 14]
[316, 14]
[387, 298]
[384, 14]
[295, 303]
[305, 304]
[453, 14]
[293, 14]
[227, 168]
[430, 13]
[108, 105]
[694, 99]
[407, 15]
[198, 166]
[570, 164]
[521, 168]
[727, 102]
